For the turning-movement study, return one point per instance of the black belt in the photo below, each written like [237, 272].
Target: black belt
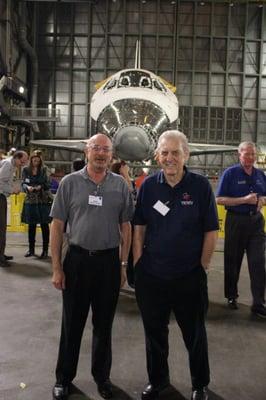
[244, 214]
[92, 253]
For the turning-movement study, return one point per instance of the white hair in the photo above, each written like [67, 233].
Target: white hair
[176, 135]
[243, 145]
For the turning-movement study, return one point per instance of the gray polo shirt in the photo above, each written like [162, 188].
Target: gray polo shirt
[93, 212]
[7, 169]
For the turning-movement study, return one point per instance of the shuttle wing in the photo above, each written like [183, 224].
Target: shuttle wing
[75, 145]
[78, 146]
[197, 149]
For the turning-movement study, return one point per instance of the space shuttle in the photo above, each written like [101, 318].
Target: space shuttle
[133, 107]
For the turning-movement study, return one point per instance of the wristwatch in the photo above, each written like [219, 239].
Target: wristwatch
[124, 263]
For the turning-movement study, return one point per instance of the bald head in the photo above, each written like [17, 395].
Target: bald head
[99, 137]
[99, 152]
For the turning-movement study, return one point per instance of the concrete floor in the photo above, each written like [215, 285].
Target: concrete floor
[30, 324]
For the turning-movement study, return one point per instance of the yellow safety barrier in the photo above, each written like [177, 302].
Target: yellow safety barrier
[14, 210]
[15, 205]
[221, 216]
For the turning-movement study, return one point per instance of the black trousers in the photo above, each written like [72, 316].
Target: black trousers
[45, 235]
[3, 222]
[187, 297]
[244, 234]
[91, 282]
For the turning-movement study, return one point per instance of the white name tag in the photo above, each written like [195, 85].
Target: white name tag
[27, 180]
[161, 208]
[95, 200]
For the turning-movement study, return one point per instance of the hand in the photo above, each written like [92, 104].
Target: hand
[59, 279]
[205, 266]
[251, 198]
[30, 189]
[260, 203]
[123, 276]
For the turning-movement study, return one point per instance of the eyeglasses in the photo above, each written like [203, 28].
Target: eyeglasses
[104, 149]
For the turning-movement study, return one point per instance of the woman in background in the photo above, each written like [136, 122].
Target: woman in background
[121, 168]
[37, 204]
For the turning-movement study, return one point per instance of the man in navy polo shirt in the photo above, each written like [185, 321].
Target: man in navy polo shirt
[175, 234]
[242, 190]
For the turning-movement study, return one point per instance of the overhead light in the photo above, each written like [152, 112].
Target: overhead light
[231, 4]
[21, 89]
[202, 3]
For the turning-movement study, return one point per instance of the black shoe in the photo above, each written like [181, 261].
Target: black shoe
[105, 389]
[60, 392]
[4, 263]
[152, 391]
[8, 258]
[260, 311]
[44, 255]
[232, 304]
[29, 253]
[199, 394]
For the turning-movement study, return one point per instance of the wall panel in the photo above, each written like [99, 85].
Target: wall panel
[214, 54]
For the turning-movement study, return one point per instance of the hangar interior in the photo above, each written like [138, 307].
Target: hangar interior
[52, 53]
[213, 52]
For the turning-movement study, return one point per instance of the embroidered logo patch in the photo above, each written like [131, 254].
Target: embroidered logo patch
[186, 200]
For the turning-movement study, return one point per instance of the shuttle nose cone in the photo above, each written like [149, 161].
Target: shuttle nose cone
[132, 143]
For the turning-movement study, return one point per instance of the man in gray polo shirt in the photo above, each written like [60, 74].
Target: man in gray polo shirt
[98, 207]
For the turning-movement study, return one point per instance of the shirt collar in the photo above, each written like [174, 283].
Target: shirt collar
[161, 177]
[85, 175]
[244, 172]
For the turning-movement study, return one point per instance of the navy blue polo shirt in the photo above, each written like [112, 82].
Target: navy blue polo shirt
[173, 243]
[235, 182]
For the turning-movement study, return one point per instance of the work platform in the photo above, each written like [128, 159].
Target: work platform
[30, 327]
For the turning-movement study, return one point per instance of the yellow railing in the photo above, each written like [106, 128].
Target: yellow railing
[15, 204]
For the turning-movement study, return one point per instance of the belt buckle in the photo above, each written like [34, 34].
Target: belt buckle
[92, 253]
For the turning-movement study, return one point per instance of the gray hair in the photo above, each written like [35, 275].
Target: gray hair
[176, 135]
[242, 145]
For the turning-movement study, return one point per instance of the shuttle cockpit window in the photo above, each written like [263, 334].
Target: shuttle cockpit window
[145, 82]
[158, 85]
[136, 79]
[110, 84]
[124, 81]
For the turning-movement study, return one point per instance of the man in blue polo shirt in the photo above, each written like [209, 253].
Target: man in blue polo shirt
[175, 234]
[242, 190]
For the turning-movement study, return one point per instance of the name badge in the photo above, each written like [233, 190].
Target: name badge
[161, 208]
[95, 200]
[27, 180]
